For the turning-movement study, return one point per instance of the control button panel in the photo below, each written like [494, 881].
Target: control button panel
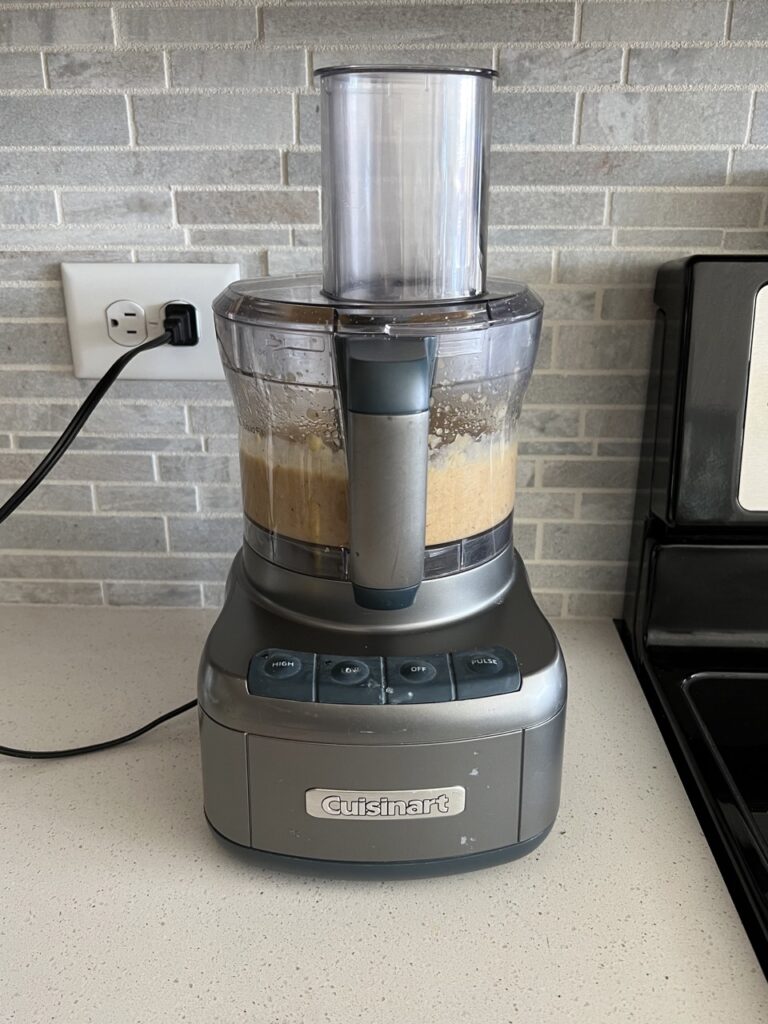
[345, 680]
[413, 679]
[289, 675]
[486, 672]
[419, 680]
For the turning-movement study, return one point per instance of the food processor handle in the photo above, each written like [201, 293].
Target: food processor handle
[385, 387]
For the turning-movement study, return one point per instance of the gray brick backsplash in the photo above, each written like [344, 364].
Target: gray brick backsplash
[25, 343]
[587, 388]
[263, 207]
[749, 21]
[578, 66]
[56, 120]
[220, 499]
[230, 119]
[210, 534]
[568, 304]
[759, 133]
[85, 70]
[746, 241]
[547, 207]
[303, 168]
[538, 423]
[586, 542]
[673, 238]
[594, 606]
[27, 26]
[21, 71]
[49, 592]
[117, 207]
[221, 126]
[599, 473]
[166, 595]
[537, 118]
[79, 466]
[148, 498]
[204, 469]
[750, 167]
[213, 595]
[140, 167]
[240, 68]
[213, 419]
[27, 208]
[83, 533]
[698, 67]
[549, 237]
[605, 506]
[523, 22]
[670, 209]
[627, 304]
[603, 347]
[182, 24]
[54, 497]
[614, 422]
[31, 300]
[634, 118]
[551, 604]
[653, 21]
[611, 167]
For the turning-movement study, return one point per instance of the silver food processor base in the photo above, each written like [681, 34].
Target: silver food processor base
[318, 753]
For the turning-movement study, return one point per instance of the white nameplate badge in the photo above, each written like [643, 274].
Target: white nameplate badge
[753, 482]
[386, 804]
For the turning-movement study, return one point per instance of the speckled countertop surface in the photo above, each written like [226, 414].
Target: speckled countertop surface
[118, 904]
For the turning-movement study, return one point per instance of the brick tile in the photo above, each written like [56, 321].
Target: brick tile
[240, 68]
[151, 498]
[600, 473]
[26, 343]
[79, 466]
[164, 595]
[668, 209]
[594, 606]
[31, 300]
[612, 167]
[84, 533]
[546, 208]
[623, 118]
[266, 206]
[604, 542]
[219, 534]
[749, 21]
[690, 66]
[653, 21]
[57, 120]
[523, 22]
[579, 66]
[54, 497]
[49, 592]
[84, 70]
[545, 117]
[228, 119]
[21, 71]
[186, 25]
[116, 207]
[27, 26]
[603, 347]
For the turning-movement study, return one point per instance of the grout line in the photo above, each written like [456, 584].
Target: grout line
[131, 121]
[750, 117]
[729, 165]
[309, 67]
[283, 166]
[59, 208]
[577, 19]
[175, 216]
[608, 208]
[115, 30]
[495, 57]
[728, 21]
[624, 75]
[259, 24]
[46, 75]
[167, 532]
[167, 68]
[295, 113]
[577, 111]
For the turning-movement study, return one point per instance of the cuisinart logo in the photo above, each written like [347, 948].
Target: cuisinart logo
[385, 805]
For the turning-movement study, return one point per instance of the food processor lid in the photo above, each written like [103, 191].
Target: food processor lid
[298, 300]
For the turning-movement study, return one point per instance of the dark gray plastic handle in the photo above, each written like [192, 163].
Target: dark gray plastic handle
[385, 386]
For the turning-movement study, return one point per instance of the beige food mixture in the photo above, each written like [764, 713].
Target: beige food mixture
[299, 489]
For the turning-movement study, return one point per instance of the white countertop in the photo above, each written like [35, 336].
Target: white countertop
[119, 905]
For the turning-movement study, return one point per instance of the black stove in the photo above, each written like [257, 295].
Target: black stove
[696, 615]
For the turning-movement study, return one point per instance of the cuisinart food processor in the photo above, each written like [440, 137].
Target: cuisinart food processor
[380, 689]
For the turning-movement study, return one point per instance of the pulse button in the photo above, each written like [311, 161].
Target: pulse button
[488, 672]
[485, 664]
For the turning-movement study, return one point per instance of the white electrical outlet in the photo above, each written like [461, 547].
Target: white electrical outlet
[107, 302]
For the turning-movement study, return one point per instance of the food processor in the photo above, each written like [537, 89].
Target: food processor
[380, 691]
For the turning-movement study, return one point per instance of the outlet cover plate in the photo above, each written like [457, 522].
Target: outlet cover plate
[90, 287]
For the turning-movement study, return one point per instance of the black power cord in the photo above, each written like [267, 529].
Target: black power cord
[180, 328]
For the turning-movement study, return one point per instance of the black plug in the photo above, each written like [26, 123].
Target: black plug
[180, 318]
